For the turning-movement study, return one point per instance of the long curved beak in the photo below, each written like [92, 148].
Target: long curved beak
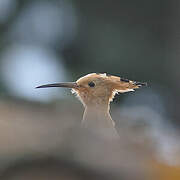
[66, 85]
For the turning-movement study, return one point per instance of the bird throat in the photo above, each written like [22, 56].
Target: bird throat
[96, 116]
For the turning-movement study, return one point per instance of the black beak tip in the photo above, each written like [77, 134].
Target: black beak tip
[43, 86]
[37, 87]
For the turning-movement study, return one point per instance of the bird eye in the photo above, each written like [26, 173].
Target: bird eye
[91, 84]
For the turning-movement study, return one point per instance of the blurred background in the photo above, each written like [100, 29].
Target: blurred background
[44, 42]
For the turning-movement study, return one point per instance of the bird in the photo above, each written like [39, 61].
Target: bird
[96, 91]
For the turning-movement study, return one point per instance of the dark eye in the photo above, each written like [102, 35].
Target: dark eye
[91, 84]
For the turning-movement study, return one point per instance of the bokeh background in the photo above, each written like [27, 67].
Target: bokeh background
[45, 41]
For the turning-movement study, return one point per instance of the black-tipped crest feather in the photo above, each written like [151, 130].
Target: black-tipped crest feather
[140, 83]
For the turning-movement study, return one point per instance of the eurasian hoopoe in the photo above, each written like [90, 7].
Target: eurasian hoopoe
[96, 91]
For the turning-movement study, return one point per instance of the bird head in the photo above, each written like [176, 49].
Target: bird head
[98, 89]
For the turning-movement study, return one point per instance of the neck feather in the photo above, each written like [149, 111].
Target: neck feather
[97, 117]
